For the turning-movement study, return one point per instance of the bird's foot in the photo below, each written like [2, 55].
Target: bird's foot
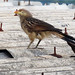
[31, 48]
[28, 48]
[35, 48]
[38, 48]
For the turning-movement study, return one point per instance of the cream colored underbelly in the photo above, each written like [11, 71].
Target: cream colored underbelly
[43, 35]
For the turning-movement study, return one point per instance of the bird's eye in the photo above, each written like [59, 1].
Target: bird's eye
[22, 11]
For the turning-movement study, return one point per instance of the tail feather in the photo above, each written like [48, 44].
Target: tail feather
[68, 36]
[70, 40]
[72, 46]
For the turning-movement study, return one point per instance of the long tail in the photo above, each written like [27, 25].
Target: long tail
[69, 39]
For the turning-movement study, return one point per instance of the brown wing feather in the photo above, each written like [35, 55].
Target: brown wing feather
[39, 25]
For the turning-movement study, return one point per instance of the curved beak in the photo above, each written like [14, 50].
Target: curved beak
[16, 12]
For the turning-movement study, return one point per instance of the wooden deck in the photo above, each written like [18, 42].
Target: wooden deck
[35, 61]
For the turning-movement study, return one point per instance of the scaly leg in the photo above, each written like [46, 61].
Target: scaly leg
[32, 36]
[30, 44]
[38, 43]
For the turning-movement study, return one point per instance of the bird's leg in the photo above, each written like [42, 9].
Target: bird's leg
[38, 43]
[30, 44]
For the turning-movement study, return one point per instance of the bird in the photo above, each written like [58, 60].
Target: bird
[39, 29]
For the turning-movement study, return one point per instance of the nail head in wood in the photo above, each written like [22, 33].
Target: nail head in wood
[1, 27]
[42, 73]
[55, 54]
[66, 31]
[74, 17]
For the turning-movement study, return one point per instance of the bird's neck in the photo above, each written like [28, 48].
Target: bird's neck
[22, 18]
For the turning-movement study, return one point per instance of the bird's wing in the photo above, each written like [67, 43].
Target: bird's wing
[39, 25]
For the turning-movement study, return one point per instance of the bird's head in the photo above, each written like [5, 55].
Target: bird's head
[23, 12]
